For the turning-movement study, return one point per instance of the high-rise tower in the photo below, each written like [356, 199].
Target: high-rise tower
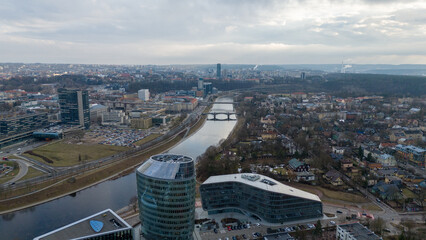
[74, 106]
[166, 196]
[219, 71]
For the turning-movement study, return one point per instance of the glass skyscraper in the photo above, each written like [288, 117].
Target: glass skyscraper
[166, 194]
[74, 105]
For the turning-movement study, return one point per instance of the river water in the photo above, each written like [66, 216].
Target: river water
[113, 194]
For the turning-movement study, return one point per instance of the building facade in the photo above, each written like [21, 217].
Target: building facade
[104, 225]
[166, 194]
[411, 154]
[355, 231]
[143, 94]
[258, 196]
[16, 128]
[219, 71]
[74, 105]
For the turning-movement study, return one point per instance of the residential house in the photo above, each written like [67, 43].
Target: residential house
[334, 177]
[269, 119]
[387, 191]
[298, 166]
[305, 176]
[416, 135]
[374, 166]
[393, 180]
[346, 164]
[386, 160]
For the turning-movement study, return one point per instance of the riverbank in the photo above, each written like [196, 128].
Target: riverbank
[85, 180]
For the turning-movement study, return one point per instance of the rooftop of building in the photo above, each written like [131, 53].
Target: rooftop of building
[411, 148]
[97, 224]
[278, 236]
[359, 231]
[164, 166]
[262, 182]
[171, 158]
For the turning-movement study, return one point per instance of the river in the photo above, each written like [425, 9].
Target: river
[114, 194]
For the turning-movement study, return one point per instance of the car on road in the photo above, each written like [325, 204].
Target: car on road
[339, 211]
[332, 222]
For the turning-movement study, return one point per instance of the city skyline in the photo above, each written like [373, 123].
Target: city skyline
[189, 32]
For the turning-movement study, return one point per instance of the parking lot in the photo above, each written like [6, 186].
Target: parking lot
[115, 136]
[255, 230]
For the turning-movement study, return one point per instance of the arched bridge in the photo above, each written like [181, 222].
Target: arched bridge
[227, 114]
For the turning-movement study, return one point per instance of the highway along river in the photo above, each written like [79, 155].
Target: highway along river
[114, 194]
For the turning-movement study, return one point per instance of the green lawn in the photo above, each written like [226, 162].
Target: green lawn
[408, 194]
[148, 138]
[10, 175]
[63, 154]
[32, 173]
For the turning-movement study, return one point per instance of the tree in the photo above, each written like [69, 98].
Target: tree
[377, 225]
[369, 157]
[360, 153]
[318, 228]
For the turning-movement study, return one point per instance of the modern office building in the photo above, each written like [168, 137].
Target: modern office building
[16, 128]
[74, 106]
[104, 225]
[166, 194]
[219, 71]
[258, 196]
[355, 231]
[413, 154]
[208, 88]
[143, 94]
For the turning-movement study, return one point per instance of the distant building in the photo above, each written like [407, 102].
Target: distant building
[16, 128]
[143, 94]
[219, 71]
[412, 154]
[166, 193]
[200, 84]
[102, 225]
[141, 123]
[114, 117]
[303, 75]
[258, 196]
[355, 231]
[96, 111]
[74, 106]
[208, 88]
[298, 166]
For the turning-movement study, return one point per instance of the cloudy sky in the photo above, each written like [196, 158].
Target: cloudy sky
[210, 31]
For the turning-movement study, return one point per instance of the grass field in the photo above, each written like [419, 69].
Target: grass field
[10, 175]
[63, 154]
[372, 207]
[32, 172]
[408, 194]
[148, 138]
[334, 195]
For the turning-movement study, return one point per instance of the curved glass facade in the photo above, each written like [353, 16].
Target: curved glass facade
[271, 206]
[166, 193]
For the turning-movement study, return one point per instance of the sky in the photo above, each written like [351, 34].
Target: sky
[212, 31]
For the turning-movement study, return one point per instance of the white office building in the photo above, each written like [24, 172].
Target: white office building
[355, 231]
[143, 94]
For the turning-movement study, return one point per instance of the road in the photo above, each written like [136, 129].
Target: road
[23, 169]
